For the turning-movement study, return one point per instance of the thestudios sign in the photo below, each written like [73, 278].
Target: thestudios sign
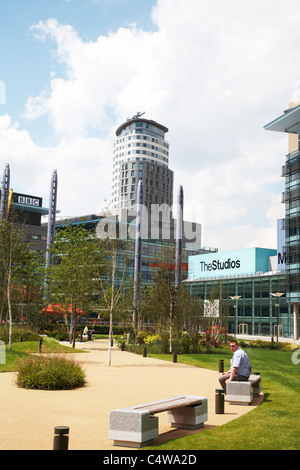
[230, 263]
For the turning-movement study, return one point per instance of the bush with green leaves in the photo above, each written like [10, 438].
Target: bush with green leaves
[18, 332]
[49, 373]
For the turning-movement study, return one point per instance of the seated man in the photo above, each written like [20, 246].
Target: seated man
[240, 369]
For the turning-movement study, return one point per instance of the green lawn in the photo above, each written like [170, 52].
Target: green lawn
[19, 350]
[274, 425]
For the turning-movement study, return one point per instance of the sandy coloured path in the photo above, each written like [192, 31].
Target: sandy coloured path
[28, 417]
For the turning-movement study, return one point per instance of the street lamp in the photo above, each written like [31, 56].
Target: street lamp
[277, 295]
[236, 298]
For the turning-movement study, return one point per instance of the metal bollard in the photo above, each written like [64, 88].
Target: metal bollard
[122, 346]
[174, 357]
[145, 352]
[219, 401]
[40, 346]
[221, 365]
[61, 441]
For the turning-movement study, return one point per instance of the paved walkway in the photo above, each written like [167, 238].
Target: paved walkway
[28, 417]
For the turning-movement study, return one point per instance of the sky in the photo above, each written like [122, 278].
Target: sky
[213, 72]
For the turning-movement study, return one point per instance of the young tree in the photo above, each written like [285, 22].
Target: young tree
[116, 293]
[71, 279]
[18, 267]
[159, 301]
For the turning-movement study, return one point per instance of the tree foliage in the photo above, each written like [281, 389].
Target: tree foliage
[170, 308]
[20, 272]
[71, 278]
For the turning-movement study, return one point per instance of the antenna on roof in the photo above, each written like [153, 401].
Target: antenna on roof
[138, 115]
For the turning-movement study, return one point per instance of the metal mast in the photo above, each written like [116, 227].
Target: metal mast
[179, 234]
[5, 193]
[52, 216]
[137, 255]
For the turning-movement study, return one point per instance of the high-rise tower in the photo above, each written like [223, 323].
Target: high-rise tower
[141, 153]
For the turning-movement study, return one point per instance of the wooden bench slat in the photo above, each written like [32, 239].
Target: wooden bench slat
[166, 405]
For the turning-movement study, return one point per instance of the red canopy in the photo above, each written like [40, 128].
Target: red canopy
[62, 309]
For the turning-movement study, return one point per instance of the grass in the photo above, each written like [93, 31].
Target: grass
[49, 373]
[21, 350]
[35, 371]
[274, 425]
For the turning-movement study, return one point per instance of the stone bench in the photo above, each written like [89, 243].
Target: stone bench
[243, 392]
[136, 426]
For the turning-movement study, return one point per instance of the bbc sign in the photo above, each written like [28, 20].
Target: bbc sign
[26, 200]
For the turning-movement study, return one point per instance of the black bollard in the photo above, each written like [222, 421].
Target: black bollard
[221, 365]
[122, 346]
[219, 401]
[145, 352]
[61, 441]
[20, 339]
[40, 345]
[174, 357]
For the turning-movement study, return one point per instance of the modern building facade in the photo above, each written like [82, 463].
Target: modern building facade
[245, 281]
[261, 286]
[152, 249]
[27, 210]
[140, 153]
[289, 123]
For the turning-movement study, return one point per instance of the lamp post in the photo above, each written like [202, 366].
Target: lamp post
[277, 295]
[236, 298]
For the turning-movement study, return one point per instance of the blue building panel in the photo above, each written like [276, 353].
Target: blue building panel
[230, 263]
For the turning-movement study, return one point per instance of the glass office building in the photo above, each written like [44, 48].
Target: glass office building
[152, 249]
[245, 279]
[289, 123]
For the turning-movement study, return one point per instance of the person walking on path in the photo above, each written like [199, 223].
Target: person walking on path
[240, 367]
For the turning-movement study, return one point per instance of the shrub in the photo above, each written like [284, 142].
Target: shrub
[120, 340]
[186, 341]
[149, 339]
[117, 330]
[141, 337]
[60, 335]
[17, 332]
[49, 373]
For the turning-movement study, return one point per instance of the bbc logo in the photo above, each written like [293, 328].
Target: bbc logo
[28, 201]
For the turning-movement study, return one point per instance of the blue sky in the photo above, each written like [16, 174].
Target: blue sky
[27, 63]
[213, 72]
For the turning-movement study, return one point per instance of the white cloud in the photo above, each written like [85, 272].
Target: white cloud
[214, 72]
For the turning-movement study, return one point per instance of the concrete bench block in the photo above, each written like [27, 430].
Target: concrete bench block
[189, 417]
[136, 426]
[243, 392]
[239, 392]
[133, 428]
[256, 384]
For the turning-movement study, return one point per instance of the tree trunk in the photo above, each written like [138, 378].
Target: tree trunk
[9, 310]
